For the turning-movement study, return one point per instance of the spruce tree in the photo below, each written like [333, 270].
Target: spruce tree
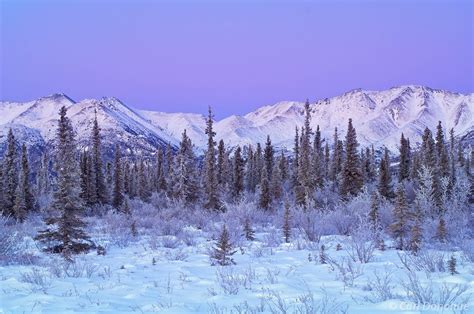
[276, 188]
[24, 181]
[268, 158]
[399, 227]
[264, 200]
[374, 215]
[65, 233]
[101, 195]
[351, 174]
[416, 232]
[441, 230]
[385, 177]
[317, 161]
[211, 197]
[404, 168]
[337, 158]
[43, 184]
[221, 164]
[117, 193]
[185, 180]
[238, 174]
[296, 157]
[452, 265]
[223, 251]
[10, 175]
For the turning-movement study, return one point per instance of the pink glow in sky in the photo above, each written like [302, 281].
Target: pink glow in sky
[235, 56]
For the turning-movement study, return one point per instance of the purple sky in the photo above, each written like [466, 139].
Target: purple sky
[183, 56]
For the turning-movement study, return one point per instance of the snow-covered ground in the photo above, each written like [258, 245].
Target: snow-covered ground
[172, 273]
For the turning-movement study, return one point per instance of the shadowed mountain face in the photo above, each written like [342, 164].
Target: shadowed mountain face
[379, 118]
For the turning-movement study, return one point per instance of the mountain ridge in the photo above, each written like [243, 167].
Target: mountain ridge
[379, 118]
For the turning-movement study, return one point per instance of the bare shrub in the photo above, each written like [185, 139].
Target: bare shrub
[170, 242]
[309, 225]
[307, 304]
[361, 246]
[231, 281]
[273, 238]
[347, 270]
[381, 287]
[38, 280]
[444, 296]
[424, 260]
[13, 248]
[176, 255]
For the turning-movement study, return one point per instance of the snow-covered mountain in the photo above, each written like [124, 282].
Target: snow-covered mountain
[378, 116]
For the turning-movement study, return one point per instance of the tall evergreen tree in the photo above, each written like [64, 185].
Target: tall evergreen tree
[117, 193]
[404, 169]
[268, 157]
[337, 158]
[10, 175]
[400, 225]
[238, 175]
[43, 180]
[385, 177]
[25, 180]
[264, 200]
[351, 175]
[101, 195]
[65, 233]
[296, 158]
[185, 175]
[211, 197]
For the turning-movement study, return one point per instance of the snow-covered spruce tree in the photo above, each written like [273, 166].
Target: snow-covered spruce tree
[117, 192]
[305, 175]
[404, 168]
[264, 199]
[158, 173]
[337, 158]
[143, 184]
[296, 158]
[211, 196]
[65, 233]
[126, 176]
[374, 217]
[283, 167]
[400, 227]
[441, 151]
[20, 208]
[24, 183]
[276, 184]
[101, 195]
[185, 181]
[327, 160]
[223, 251]
[416, 237]
[317, 160]
[1, 186]
[222, 179]
[268, 158]
[351, 174]
[238, 174]
[43, 180]
[250, 171]
[452, 160]
[10, 175]
[287, 223]
[385, 177]
[424, 194]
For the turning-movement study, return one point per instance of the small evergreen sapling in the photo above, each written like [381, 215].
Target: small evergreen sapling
[441, 230]
[223, 251]
[322, 255]
[452, 265]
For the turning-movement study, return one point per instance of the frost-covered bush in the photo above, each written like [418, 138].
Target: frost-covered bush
[13, 247]
[231, 281]
[309, 223]
[424, 260]
[361, 245]
[381, 287]
[38, 279]
[424, 291]
[117, 228]
[346, 270]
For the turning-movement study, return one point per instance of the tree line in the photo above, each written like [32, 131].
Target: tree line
[439, 171]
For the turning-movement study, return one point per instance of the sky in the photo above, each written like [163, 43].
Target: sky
[233, 55]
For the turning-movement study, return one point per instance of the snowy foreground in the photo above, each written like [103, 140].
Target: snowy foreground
[173, 274]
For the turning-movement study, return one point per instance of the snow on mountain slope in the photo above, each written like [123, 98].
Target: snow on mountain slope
[175, 123]
[378, 116]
